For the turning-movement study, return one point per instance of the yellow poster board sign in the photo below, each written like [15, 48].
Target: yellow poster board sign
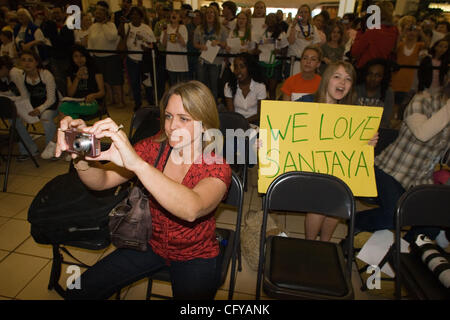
[318, 137]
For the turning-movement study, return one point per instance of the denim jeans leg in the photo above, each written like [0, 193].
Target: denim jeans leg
[389, 191]
[23, 133]
[47, 120]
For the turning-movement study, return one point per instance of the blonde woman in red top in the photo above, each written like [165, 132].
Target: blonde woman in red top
[183, 196]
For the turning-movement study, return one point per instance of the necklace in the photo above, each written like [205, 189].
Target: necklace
[307, 35]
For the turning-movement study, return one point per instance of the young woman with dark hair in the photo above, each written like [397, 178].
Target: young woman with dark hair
[243, 94]
[84, 81]
[373, 88]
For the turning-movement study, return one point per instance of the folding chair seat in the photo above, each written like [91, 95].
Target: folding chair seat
[8, 111]
[293, 268]
[425, 206]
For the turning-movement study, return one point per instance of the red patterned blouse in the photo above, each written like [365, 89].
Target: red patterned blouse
[175, 239]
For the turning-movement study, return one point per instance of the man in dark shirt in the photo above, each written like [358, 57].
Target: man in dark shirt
[124, 14]
[62, 39]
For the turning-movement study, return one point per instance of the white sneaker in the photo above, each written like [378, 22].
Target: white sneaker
[49, 151]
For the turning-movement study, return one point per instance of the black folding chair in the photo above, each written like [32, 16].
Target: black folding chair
[8, 111]
[233, 143]
[427, 206]
[229, 249]
[293, 268]
[144, 123]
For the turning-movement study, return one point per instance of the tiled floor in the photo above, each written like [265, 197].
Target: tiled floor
[25, 265]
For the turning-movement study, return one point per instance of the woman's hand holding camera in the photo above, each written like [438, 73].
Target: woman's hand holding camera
[65, 124]
[121, 151]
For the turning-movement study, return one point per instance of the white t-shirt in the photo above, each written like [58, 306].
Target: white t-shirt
[103, 36]
[137, 37]
[258, 27]
[266, 44]
[176, 63]
[247, 106]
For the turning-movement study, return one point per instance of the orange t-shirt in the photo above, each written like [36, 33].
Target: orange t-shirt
[296, 86]
[403, 79]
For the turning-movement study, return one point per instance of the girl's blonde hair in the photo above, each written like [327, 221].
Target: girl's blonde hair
[321, 94]
[198, 102]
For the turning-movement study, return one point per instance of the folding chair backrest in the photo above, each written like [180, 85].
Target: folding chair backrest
[426, 205]
[145, 123]
[310, 192]
[7, 108]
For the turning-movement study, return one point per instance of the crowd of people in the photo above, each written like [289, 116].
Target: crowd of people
[66, 74]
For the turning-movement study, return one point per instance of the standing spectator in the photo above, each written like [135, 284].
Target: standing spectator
[210, 30]
[333, 49]
[123, 15]
[301, 34]
[139, 36]
[243, 31]
[373, 88]
[307, 81]
[408, 51]
[376, 43]
[187, 16]
[319, 23]
[428, 26]
[175, 38]
[273, 42]
[229, 15]
[8, 48]
[284, 24]
[438, 58]
[11, 21]
[103, 36]
[258, 19]
[145, 19]
[349, 32]
[160, 26]
[81, 35]
[29, 36]
[62, 39]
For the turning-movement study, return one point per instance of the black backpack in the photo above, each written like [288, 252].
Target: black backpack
[65, 210]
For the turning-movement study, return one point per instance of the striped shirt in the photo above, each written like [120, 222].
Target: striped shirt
[412, 161]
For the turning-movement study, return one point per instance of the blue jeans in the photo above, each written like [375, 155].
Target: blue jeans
[192, 279]
[47, 120]
[389, 191]
[209, 74]
[134, 69]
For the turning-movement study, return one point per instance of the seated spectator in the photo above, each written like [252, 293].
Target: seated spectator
[410, 160]
[301, 34]
[84, 81]
[175, 38]
[273, 42]
[28, 36]
[183, 197]
[333, 49]
[243, 94]
[336, 87]
[307, 81]
[373, 88]
[7, 48]
[38, 85]
[138, 37]
[376, 43]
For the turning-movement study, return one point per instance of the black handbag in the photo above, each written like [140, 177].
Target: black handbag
[130, 222]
